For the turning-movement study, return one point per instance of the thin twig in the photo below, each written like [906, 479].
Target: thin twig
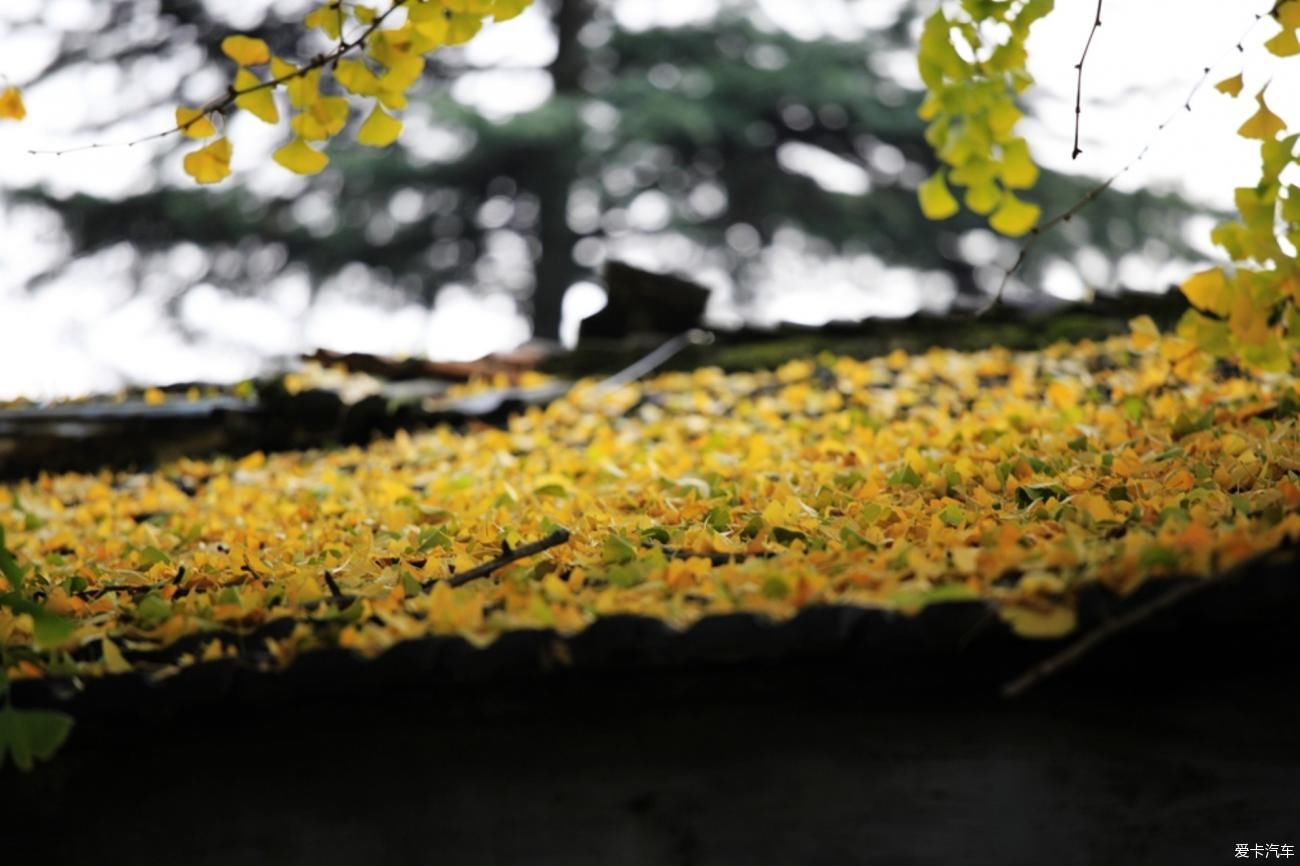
[1240, 48]
[1078, 88]
[523, 551]
[219, 104]
[1037, 232]
[652, 361]
[1077, 650]
[334, 587]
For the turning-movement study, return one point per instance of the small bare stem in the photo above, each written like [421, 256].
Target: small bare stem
[1078, 88]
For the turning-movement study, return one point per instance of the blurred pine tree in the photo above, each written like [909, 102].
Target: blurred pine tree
[695, 125]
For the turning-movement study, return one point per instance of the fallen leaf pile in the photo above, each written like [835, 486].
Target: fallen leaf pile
[903, 481]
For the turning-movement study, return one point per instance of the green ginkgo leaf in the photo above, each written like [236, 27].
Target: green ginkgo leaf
[28, 736]
[9, 566]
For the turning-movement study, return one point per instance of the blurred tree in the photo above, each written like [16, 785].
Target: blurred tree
[720, 136]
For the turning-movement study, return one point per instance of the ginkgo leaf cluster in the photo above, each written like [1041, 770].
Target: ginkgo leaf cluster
[1251, 310]
[894, 483]
[973, 83]
[377, 55]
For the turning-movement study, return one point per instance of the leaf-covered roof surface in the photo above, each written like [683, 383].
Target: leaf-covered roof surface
[1016, 478]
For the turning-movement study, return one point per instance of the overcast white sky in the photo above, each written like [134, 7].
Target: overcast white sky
[90, 332]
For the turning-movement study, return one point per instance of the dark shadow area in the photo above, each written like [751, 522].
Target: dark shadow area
[1170, 744]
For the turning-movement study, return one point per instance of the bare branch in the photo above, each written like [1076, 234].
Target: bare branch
[1078, 88]
[1077, 650]
[523, 551]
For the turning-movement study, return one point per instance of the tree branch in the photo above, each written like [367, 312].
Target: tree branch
[555, 539]
[1075, 651]
[1078, 88]
[219, 104]
[335, 592]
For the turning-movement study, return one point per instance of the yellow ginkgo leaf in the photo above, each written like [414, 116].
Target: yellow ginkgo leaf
[1014, 217]
[462, 28]
[11, 104]
[1284, 44]
[974, 172]
[209, 164]
[193, 123]
[323, 119]
[301, 158]
[1039, 622]
[425, 38]
[355, 77]
[433, 30]
[936, 199]
[1275, 157]
[1288, 14]
[930, 107]
[982, 198]
[1263, 124]
[1248, 320]
[1017, 169]
[391, 47]
[301, 84]
[401, 74]
[422, 12]
[246, 51]
[774, 513]
[553, 484]
[504, 10]
[380, 129]
[1097, 507]
[394, 100]
[1209, 291]
[1231, 86]
[1212, 335]
[327, 18]
[114, 661]
[1145, 333]
[255, 98]
[281, 68]
[304, 89]
[1003, 117]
